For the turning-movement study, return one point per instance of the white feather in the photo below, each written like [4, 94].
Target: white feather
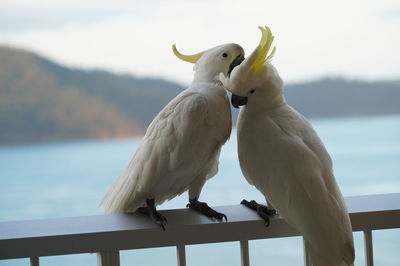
[283, 157]
[181, 147]
[181, 144]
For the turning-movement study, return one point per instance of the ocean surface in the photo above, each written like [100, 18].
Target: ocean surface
[69, 179]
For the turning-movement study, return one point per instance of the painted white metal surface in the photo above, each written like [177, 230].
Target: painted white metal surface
[90, 234]
[305, 254]
[369, 254]
[181, 255]
[34, 261]
[244, 253]
[108, 258]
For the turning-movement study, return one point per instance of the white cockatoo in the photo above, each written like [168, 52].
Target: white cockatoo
[181, 147]
[283, 157]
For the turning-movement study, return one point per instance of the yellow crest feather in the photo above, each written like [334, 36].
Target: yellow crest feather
[262, 56]
[188, 58]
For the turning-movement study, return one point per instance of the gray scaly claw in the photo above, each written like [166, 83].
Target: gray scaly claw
[203, 208]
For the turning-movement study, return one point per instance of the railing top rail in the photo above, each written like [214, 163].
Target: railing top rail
[96, 233]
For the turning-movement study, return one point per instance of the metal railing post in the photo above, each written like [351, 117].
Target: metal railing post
[369, 253]
[244, 253]
[306, 254]
[34, 261]
[181, 255]
[108, 258]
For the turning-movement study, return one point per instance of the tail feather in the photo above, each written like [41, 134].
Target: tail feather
[349, 253]
[120, 195]
[318, 260]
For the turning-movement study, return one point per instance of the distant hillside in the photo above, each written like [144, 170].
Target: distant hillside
[44, 101]
[335, 97]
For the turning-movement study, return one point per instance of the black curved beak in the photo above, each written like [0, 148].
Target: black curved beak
[237, 100]
[237, 61]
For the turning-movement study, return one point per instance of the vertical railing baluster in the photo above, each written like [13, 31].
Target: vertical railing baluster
[108, 258]
[369, 253]
[34, 261]
[306, 255]
[244, 253]
[181, 255]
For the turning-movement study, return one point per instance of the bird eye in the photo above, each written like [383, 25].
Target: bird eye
[225, 55]
[252, 91]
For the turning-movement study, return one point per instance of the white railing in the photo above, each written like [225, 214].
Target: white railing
[108, 234]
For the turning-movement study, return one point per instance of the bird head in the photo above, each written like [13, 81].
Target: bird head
[210, 63]
[255, 78]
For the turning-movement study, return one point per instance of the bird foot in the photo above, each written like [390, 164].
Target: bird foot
[153, 214]
[263, 211]
[203, 208]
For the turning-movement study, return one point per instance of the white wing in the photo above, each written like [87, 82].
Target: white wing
[176, 149]
[294, 172]
[336, 218]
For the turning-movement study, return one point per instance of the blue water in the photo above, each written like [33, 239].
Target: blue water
[69, 179]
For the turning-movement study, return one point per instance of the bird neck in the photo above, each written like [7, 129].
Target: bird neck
[265, 104]
[205, 76]
[208, 88]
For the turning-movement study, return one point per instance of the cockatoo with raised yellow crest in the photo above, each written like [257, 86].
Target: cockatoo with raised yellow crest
[283, 157]
[181, 147]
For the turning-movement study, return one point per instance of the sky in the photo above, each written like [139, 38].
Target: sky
[314, 38]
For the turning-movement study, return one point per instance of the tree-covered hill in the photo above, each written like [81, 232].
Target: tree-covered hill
[44, 101]
[337, 97]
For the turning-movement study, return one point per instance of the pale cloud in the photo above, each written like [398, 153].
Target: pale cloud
[19, 16]
[313, 38]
